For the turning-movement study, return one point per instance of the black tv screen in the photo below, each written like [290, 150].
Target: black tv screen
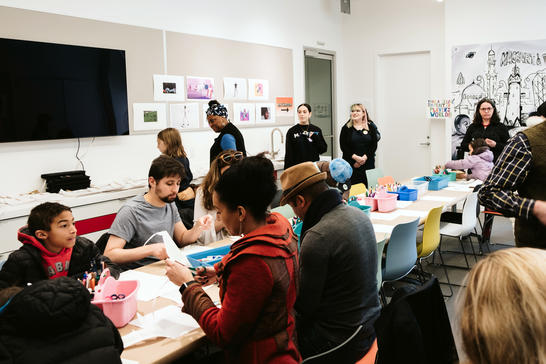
[57, 91]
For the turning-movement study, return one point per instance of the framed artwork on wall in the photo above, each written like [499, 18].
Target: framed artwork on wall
[168, 88]
[200, 88]
[149, 117]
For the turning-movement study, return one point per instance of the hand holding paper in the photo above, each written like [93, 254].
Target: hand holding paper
[177, 273]
[204, 222]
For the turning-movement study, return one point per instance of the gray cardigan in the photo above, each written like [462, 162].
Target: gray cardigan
[338, 268]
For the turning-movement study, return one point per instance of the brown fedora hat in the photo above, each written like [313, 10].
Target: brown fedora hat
[297, 178]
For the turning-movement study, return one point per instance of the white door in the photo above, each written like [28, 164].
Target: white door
[403, 87]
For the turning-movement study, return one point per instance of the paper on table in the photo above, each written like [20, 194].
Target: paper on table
[167, 322]
[402, 204]
[173, 251]
[379, 228]
[384, 215]
[413, 213]
[151, 285]
[438, 198]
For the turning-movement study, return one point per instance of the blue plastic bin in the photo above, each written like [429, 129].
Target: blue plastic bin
[219, 253]
[407, 194]
[435, 183]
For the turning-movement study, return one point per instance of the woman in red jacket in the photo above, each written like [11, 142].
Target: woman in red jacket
[257, 278]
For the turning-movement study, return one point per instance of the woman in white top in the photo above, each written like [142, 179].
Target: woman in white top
[203, 196]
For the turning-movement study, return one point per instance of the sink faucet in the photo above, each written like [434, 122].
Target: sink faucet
[273, 152]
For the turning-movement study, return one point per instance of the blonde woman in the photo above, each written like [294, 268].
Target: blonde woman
[203, 196]
[169, 143]
[358, 142]
[503, 318]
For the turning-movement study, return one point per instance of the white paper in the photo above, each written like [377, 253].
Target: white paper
[384, 215]
[438, 198]
[413, 213]
[258, 89]
[149, 117]
[169, 321]
[185, 116]
[243, 113]
[235, 88]
[265, 113]
[402, 204]
[151, 285]
[135, 337]
[379, 228]
[168, 88]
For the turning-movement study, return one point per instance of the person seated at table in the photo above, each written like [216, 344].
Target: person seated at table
[203, 196]
[53, 321]
[257, 278]
[503, 308]
[480, 161]
[338, 175]
[51, 249]
[144, 215]
[337, 302]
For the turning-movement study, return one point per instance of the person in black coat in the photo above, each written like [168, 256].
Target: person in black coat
[358, 141]
[304, 141]
[53, 322]
[486, 125]
[230, 137]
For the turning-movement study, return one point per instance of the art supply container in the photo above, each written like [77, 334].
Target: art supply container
[435, 182]
[119, 310]
[386, 201]
[407, 194]
[361, 206]
[372, 202]
[208, 257]
[420, 186]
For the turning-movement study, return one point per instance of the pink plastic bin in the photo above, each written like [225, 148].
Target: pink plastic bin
[386, 203]
[372, 202]
[120, 311]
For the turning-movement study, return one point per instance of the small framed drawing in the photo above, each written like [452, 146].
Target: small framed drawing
[234, 88]
[258, 89]
[200, 88]
[265, 113]
[206, 107]
[185, 116]
[149, 117]
[168, 88]
[243, 114]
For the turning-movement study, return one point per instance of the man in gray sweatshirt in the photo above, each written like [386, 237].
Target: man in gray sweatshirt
[337, 303]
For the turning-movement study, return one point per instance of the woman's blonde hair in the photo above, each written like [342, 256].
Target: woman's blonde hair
[503, 309]
[213, 176]
[350, 122]
[173, 142]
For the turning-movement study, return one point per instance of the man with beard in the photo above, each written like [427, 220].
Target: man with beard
[131, 244]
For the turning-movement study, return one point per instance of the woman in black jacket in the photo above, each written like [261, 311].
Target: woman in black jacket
[358, 141]
[230, 137]
[53, 321]
[486, 125]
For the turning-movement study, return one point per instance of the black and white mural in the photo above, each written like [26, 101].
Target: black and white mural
[513, 74]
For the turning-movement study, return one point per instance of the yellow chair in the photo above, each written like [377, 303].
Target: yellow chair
[431, 241]
[357, 189]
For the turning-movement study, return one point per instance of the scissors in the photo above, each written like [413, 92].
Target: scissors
[115, 296]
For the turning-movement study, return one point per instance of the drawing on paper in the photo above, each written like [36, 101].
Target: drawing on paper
[200, 88]
[259, 89]
[168, 88]
[244, 113]
[185, 116]
[235, 88]
[265, 113]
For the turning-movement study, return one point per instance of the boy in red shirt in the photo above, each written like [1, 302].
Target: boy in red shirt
[51, 249]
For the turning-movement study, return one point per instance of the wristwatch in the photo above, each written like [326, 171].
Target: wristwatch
[185, 285]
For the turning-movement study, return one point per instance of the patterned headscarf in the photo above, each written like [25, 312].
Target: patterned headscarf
[217, 110]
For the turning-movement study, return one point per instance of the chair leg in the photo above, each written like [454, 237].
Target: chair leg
[472, 246]
[447, 277]
[464, 252]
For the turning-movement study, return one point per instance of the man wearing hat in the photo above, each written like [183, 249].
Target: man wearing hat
[515, 186]
[337, 299]
[338, 174]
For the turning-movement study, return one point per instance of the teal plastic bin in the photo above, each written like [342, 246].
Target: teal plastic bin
[435, 182]
[364, 208]
[208, 257]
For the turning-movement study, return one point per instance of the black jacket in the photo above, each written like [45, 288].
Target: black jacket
[239, 141]
[25, 264]
[496, 132]
[347, 150]
[304, 143]
[54, 322]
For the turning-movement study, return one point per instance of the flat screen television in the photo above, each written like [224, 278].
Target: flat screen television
[57, 91]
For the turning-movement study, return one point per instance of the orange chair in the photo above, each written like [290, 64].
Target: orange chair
[369, 358]
[387, 180]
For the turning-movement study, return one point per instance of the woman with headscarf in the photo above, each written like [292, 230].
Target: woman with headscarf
[230, 137]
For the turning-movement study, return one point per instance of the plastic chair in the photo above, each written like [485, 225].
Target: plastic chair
[431, 241]
[357, 189]
[285, 211]
[380, 248]
[387, 180]
[372, 175]
[369, 358]
[401, 253]
[464, 229]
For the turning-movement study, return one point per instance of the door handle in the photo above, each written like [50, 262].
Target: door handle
[425, 143]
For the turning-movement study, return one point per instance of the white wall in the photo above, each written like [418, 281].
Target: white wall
[283, 23]
[392, 26]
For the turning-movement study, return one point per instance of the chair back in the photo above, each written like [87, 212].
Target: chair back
[372, 175]
[469, 213]
[357, 189]
[380, 248]
[387, 180]
[401, 251]
[285, 211]
[431, 233]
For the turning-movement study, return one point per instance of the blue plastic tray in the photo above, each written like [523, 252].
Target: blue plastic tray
[435, 183]
[215, 252]
[406, 194]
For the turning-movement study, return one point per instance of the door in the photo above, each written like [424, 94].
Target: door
[319, 81]
[403, 87]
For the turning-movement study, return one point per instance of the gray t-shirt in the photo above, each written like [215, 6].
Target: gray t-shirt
[137, 220]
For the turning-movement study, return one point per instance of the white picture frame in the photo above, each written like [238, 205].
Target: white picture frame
[235, 88]
[258, 89]
[265, 113]
[169, 88]
[149, 116]
[184, 115]
[244, 114]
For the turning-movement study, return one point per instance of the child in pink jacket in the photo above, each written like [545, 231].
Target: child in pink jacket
[480, 160]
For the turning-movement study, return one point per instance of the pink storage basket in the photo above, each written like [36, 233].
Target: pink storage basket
[386, 202]
[120, 311]
[372, 202]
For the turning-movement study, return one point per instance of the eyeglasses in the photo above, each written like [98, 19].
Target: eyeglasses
[229, 158]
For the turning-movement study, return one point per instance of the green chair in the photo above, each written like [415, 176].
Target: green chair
[285, 211]
[372, 175]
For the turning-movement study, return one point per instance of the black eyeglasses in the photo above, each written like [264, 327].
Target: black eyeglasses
[229, 158]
